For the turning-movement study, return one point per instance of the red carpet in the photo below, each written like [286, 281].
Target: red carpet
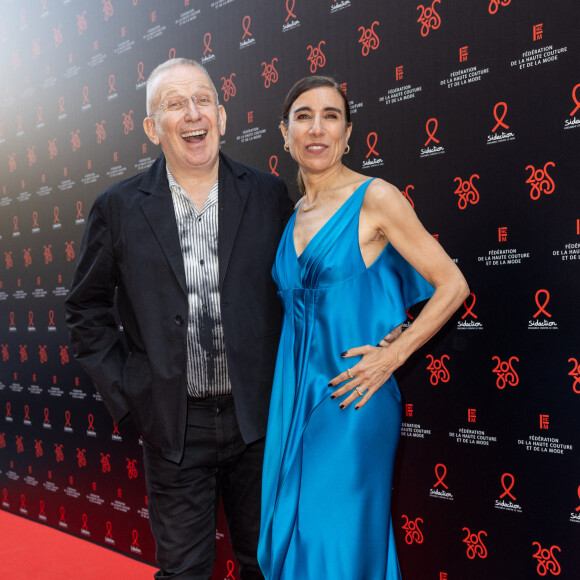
[32, 551]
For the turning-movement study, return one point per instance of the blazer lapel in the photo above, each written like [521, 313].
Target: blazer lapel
[232, 195]
[158, 210]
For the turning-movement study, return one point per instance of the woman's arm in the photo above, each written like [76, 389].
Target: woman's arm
[387, 214]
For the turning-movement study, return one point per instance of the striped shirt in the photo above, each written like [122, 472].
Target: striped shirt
[207, 370]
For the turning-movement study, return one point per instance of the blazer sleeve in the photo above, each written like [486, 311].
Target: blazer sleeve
[95, 337]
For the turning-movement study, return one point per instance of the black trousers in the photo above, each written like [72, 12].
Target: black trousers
[184, 498]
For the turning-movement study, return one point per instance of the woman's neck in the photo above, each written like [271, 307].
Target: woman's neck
[317, 184]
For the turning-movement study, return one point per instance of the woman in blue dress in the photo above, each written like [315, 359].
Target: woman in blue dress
[353, 258]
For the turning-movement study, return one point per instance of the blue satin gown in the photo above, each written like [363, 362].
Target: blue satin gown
[328, 472]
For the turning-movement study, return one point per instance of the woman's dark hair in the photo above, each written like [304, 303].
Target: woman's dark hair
[306, 84]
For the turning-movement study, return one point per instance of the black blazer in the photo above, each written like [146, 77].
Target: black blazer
[131, 248]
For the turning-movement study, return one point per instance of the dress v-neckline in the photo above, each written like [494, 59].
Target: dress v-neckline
[325, 224]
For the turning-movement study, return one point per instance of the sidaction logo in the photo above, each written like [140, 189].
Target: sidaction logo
[537, 323]
[441, 492]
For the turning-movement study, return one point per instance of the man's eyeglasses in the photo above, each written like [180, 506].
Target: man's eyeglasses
[175, 104]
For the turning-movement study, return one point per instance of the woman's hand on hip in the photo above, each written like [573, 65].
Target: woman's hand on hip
[367, 376]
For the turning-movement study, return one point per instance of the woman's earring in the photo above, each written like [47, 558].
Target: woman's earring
[347, 149]
[286, 148]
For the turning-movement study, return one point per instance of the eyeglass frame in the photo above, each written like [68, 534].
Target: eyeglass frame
[184, 101]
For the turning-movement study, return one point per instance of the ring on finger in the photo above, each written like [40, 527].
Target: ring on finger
[349, 373]
[360, 393]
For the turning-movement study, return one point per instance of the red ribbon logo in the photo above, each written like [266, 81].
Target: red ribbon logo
[372, 151]
[112, 89]
[34, 219]
[85, 520]
[41, 506]
[273, 162]
[30, 318]
[431, 134]
[507, 489]
[15, 223]
[67, 419]
[499, 120]
[469, 309]
[575, 99]
[79, 210]
[51, 317]
[246, 26]
[406, 192]
[91, 419]
[289, 10]
[109, 527]
[231, 567]
[135, 535]
[206, 43]
[62, 514]
[140, 68]
[26, 413]
[46, 414]
[542, 307]
[86, 95]
[440, 478]
[9, 409]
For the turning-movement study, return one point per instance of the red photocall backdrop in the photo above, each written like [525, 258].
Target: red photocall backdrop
[471, 108]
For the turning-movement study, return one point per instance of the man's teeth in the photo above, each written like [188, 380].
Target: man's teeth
[198, 133]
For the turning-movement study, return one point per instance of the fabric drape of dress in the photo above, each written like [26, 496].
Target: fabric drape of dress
[327, 480]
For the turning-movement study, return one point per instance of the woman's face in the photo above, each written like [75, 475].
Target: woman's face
[317, 131]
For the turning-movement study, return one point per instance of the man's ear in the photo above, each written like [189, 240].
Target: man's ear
[222, 118]
[151, 130]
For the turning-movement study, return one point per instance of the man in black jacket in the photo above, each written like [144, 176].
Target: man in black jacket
[187, 246]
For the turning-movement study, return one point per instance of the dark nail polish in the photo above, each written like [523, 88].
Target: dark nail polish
[356, 408]
[344, 353]
[330, 384]
[332, 397]
[341, 406]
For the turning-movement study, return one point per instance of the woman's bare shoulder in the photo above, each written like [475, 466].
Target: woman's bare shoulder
[381, 192]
